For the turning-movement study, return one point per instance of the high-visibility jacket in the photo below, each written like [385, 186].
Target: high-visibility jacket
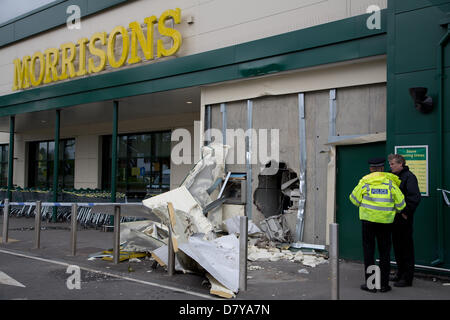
[378, 197]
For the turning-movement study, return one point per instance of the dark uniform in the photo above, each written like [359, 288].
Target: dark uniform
[402, 231]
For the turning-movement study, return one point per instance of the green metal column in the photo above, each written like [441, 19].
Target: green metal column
[12, 121]
[56, 163]
[114, 155]
[440, 149]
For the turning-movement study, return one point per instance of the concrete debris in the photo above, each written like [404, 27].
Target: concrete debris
[233, 226]
[275, 254]
[251, 268]
[276, 228]
[143, 236]
[189, 214]
[304, 271]
[230, 211]
[312, 261]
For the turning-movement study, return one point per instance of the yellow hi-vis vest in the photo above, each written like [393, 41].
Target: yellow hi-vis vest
[378, 197]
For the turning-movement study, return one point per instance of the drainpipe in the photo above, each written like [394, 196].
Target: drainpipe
[442, 44]
[56, 163]
[12, 121]
[114, 156]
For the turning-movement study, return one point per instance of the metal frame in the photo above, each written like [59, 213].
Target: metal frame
[248, 161]
[298, 237]
[332, 137]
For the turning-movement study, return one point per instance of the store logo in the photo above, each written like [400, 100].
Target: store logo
[74, 280]
[263, 146]
[374, 20]
[88, 56]
[374, 280]
[74, 20]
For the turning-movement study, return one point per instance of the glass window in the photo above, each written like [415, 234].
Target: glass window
[4, 164]
[143, 163]
[68, 152]
[41, 166]
[42, 151]
[4, 150]
[51, 150]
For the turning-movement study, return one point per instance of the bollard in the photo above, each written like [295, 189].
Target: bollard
[73, 222]
[116, 247]
[37, 225]
[243, 247]
[5, 221]
[334, 260]
[171, 251]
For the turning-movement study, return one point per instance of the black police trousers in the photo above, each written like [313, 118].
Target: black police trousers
[403, 243]
[379, 233]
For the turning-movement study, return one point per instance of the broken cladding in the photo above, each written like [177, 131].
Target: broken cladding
[201, 236]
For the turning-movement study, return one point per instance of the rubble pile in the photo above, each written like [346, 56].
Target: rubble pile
[205, 231]
[310, 259]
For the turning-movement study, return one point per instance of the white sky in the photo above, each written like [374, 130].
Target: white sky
[10, 9]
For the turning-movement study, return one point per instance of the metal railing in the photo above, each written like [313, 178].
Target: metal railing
[117, 212]
[74, 218]
[85, 216]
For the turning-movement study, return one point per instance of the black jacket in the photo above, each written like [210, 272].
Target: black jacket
[410, 189]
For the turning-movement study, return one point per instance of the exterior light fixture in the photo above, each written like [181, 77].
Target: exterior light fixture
[422, 102]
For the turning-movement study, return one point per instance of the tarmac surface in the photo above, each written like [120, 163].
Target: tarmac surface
[43, 274]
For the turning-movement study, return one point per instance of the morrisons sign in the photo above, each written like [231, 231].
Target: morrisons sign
[88, 56]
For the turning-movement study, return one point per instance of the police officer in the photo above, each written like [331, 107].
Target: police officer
[379, 198]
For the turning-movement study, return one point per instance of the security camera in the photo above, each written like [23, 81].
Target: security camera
[423, 103]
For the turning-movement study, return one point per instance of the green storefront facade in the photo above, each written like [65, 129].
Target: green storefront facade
[412, 35]
[418, 56]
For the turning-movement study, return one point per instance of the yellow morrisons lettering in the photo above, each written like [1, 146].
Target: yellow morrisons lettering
[42, 68]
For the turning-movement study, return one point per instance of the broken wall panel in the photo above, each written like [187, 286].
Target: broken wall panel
[361, 110]
[317, 127]
[237, 123]
[279, 113]
[216, 117]
[179, 171]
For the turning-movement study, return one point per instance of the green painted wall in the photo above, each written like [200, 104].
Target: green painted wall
[414, 32]
[351, 167]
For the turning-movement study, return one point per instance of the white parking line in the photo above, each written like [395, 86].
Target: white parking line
[5, 279]
[110, 274]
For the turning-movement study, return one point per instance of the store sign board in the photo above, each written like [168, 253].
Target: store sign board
[71, 60]
[417, 160]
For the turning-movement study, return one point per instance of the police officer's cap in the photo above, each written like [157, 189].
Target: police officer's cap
[376, 162]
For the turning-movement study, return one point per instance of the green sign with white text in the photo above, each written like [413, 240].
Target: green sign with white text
[417, 160]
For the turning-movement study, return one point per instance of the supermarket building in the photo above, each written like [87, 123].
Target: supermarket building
[331, 77]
